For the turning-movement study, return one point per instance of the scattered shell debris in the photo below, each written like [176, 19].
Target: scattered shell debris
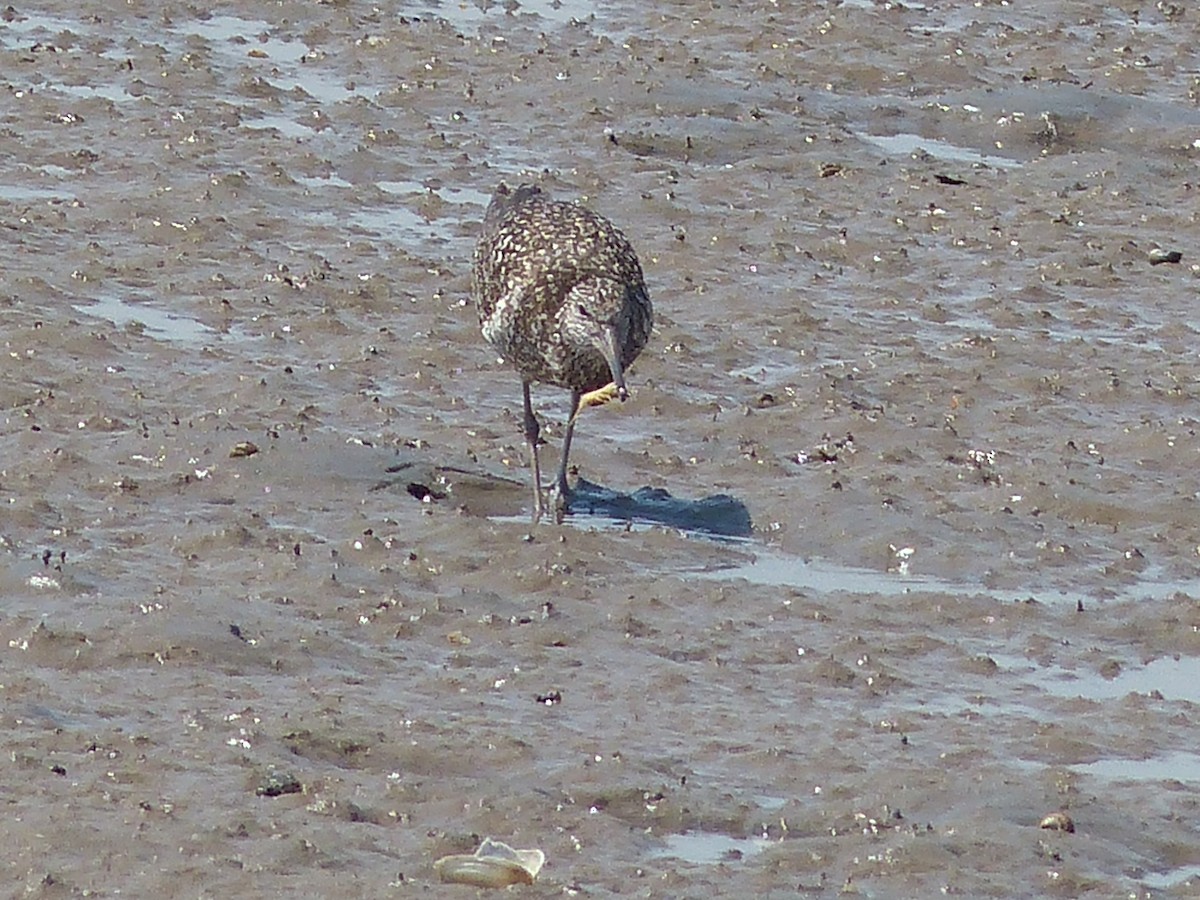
[493, 865]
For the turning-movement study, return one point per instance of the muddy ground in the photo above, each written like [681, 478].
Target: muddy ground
[921, 351]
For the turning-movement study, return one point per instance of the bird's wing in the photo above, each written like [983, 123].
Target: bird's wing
[499, 317]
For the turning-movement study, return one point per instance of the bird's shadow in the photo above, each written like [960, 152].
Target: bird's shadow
[719, 515]
[493, 495]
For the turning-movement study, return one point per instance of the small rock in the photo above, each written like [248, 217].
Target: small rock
[1158, 256]
[1058, 821]
[424, 492]
[276, 784]
[1110, 669]
[243, 449]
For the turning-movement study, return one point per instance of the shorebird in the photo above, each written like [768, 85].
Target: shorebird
[560, 295]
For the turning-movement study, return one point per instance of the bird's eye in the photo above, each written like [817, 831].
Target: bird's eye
[584, 312]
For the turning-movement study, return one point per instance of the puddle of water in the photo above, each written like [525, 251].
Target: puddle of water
[1178, 766]
[398, 225]
[582, 522]
[828, 578]
[232, 37]
[158, 323]
[466, 195]
[766, 372]
[1184, 876]
[394, 222]
[1175, 679]
[32, 27]
[287, 126]
[27, 194]
[905, 144]
[256, 33]
[908, 5]
[403, 188]
[585, 521]
[113, 92]
[556, 12]
[282, 59]
[450, 195]
[769, 802]
[327, 181]
[706, 849]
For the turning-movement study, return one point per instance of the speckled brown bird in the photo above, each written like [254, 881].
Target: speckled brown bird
[560, 295]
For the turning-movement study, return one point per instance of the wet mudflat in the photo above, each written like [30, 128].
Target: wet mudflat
[274, 622]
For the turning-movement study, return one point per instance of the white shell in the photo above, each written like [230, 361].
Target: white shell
[494, 864]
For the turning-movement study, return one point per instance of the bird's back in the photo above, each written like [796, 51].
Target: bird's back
[533, 253]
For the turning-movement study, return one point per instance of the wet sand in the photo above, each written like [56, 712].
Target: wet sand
[913, 346]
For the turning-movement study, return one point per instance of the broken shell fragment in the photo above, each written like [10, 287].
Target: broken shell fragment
[598, 397]
[1058, 821]
[494, 865]
[242, 449]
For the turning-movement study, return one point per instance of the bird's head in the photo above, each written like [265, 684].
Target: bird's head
[599, 324]
[506, 199]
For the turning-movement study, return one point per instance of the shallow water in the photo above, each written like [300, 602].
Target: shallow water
[910, 337]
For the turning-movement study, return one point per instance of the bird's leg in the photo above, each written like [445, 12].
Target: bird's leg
[532, 433]
[559, 489]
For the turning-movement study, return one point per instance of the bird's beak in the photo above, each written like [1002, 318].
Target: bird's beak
[612, 355]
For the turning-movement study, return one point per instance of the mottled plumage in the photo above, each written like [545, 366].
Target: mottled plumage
[560, 295]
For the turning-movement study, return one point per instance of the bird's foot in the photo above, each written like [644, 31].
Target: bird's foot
[560, 498]
[551, 501]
